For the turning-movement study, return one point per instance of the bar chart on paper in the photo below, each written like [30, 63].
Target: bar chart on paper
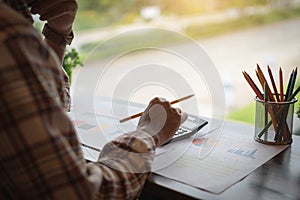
[233, 157]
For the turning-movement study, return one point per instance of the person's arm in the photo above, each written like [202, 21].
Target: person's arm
[59, 16]
[125, 164]
[126, 161]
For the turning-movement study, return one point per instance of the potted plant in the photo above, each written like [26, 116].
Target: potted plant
[71, 60]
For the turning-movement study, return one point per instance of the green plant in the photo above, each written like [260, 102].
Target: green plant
[297, 109]
[297, 106]
[71, 60]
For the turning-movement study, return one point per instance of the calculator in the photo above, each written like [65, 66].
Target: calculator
[191, 126]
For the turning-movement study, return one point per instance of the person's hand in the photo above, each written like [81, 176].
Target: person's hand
[161, 120]
[60, 15]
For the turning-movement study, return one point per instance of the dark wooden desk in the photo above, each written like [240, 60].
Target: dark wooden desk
[279, 178]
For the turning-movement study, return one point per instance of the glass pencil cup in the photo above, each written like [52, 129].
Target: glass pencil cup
[274, 122]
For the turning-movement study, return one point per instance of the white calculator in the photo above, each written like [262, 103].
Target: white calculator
[191, 126]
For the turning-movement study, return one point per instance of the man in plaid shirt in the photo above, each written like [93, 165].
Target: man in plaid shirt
[40, 155]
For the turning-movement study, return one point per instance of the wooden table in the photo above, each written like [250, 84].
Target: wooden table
[279, 178]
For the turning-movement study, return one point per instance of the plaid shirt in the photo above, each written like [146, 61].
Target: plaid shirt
[40, 155]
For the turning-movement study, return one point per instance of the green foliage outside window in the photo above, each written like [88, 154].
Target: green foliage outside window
[71, 60]
[297, 106]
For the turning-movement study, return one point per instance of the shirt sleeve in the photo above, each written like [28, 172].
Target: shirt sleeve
[125, 163]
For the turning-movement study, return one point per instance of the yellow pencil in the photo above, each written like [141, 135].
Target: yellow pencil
[140, 114]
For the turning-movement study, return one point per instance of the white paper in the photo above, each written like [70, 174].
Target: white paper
[97, 127]
[235, 155]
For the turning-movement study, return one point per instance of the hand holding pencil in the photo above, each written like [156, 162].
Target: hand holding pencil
[140, 114]
[160, 120]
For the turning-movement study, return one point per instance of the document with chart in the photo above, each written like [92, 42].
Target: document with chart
[234, 156]
[96, 127]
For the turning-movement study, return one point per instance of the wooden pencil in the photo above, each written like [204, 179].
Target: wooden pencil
[253, 86]
[273, 84]
[140, 114]
[293, 81]
[288, 90]
[281, 85]
[263, 80]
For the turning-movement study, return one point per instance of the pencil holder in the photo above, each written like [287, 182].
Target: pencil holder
[274, 122]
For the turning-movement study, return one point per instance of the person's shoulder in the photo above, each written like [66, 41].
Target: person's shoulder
[12, 23]
[9, 15]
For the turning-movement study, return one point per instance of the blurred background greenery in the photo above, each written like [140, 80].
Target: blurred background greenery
[241, 14]
[102, 13]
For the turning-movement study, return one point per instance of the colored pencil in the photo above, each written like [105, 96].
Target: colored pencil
[263, 80]
[273, 84]
[266, 106]
[294, 94]
[140, 114]
[281, 85]
[293, 81]
[288, 90]
[253, 86]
